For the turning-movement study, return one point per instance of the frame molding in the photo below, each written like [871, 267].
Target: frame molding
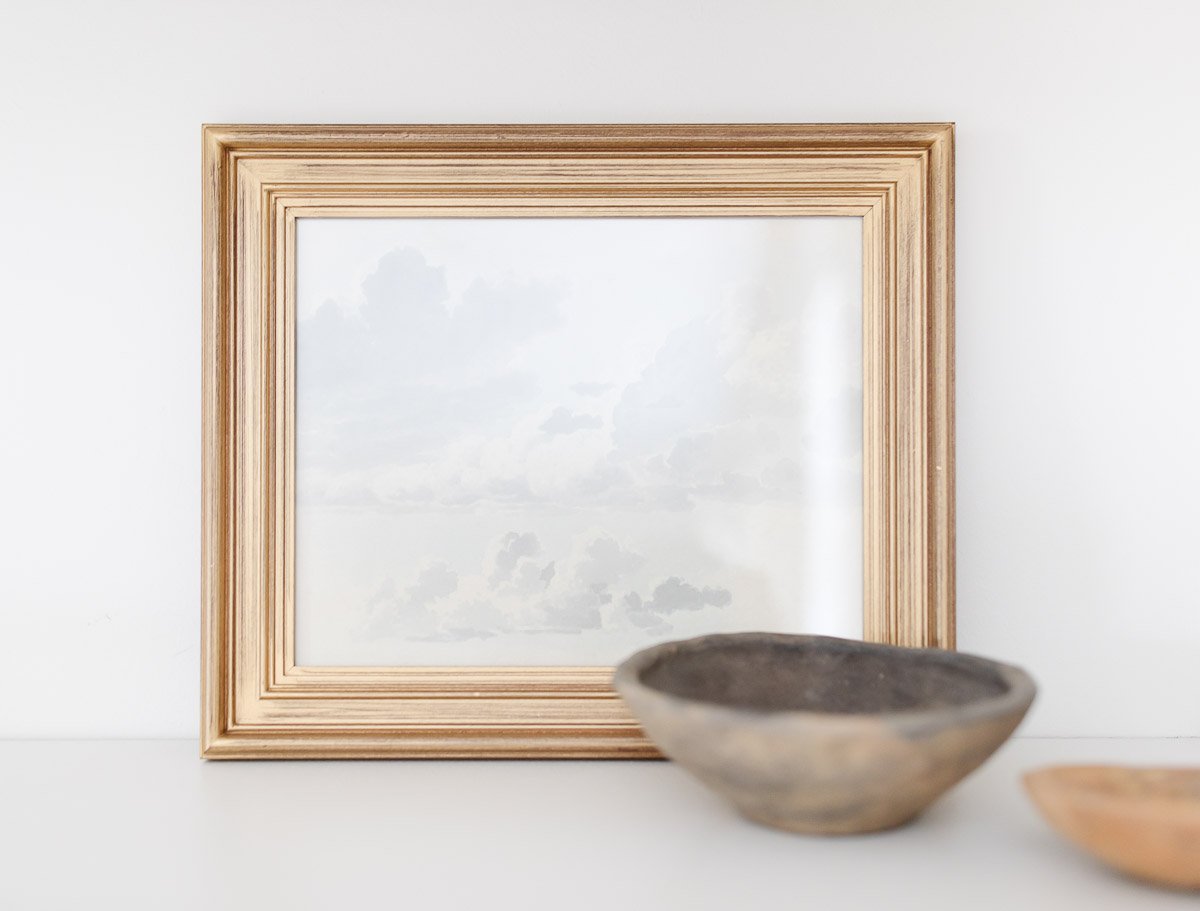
[256, 702]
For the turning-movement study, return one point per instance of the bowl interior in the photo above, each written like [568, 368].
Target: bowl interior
[816, 674]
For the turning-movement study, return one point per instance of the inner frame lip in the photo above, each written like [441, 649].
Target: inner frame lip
[1018, 695]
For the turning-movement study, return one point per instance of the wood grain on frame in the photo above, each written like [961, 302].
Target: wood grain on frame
[256, 701]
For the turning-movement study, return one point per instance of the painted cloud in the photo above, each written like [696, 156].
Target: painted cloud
[426, 405]
[519, 589]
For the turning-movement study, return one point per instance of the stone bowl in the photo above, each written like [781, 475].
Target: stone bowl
[1144, 822]
[822, 735]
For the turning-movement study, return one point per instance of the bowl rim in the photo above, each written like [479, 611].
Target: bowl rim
[1020, 693]
[1063, 779]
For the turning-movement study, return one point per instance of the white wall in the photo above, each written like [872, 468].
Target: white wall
[1078, 310]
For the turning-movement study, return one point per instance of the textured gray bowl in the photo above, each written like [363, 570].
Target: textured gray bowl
[822, 735]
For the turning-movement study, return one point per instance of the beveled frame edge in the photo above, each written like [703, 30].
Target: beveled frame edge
[921, 563]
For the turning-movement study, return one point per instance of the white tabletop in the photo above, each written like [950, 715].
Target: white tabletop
[146, 824]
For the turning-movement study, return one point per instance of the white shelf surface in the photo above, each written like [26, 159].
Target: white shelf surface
[146, 824]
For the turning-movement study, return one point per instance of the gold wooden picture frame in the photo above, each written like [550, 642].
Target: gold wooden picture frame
[257, 701]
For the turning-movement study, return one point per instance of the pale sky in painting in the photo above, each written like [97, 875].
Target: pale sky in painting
[554, 441]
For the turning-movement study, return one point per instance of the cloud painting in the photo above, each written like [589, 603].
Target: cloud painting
[538, 441]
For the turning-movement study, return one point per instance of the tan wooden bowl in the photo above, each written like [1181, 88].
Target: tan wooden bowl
[1144, 822]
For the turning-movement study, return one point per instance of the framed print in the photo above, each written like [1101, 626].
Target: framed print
[487, 408]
